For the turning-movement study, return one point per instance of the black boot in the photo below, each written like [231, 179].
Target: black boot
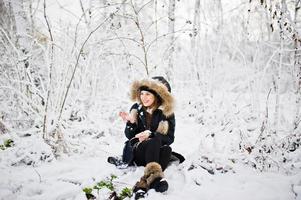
[115, 161]
[140, 194]
[159, 184]
[140, 188]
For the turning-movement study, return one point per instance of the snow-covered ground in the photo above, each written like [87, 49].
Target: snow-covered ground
[220, 116]
[66, 177]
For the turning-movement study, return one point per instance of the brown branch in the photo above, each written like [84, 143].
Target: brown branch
[265, 121]
[137, 23]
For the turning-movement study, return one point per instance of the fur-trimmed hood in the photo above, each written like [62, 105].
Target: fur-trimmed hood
[167, 105]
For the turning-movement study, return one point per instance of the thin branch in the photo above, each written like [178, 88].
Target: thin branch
[122, 38]
[84, 12]
[68, 11]
[137, 22]
[148, 46]
[10, 42]
[142, 7]
[40, 178]
[265, 121]
[127, 54]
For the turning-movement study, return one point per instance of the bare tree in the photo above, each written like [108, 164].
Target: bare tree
[195, 36]
[297, 63]
[31, 14]
[268, 18]
[7, 18]
[156, 16]
[220, 16]
[49, 85]
[280, 19]
[135, 17]
[171, 31]
[22, 24]
[22, 43]
[104, 5]
[196, 24]
[279, 68]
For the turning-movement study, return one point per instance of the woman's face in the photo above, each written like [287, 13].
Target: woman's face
[147, 98]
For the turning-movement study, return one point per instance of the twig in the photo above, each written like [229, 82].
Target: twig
[40, 178]
[10, 42]
[142, 7]
[70, 181]
[265, 121]
[84, 13]
[164, 35]
[293, 191]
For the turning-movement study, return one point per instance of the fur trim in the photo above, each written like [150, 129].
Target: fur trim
[163, 127]
[152, 171]
[141, 184]
[167, 105]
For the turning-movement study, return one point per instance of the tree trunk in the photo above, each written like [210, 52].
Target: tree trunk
[297, 64]
[104, 5]
[196, 24]
[22, 41]
[171, 31]
[156, 18]
[195, 37]
[219, 14]
[22, 25]
[269, 23]
[278, 71]
[124, 12]
[7, 18]
[49, 85]
[31, 18]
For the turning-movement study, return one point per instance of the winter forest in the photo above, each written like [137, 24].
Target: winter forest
[234, 68]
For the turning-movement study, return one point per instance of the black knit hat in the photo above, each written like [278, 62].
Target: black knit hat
[145, 88]
[162, 80]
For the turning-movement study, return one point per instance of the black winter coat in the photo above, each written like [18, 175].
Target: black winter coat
[161, 126]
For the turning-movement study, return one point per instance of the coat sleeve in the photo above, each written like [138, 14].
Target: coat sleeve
[131, 128]
[167, 139]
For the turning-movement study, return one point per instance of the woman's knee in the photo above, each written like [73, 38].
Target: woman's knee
[154, 142]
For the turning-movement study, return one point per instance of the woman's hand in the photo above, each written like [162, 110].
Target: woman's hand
[126, 117]
[143, 135]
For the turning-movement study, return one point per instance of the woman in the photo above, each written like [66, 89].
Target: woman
[150, 127]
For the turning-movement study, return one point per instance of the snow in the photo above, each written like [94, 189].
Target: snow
[231, 151]
[65, 177]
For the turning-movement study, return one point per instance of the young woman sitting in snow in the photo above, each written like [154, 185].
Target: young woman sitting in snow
[150, 127]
